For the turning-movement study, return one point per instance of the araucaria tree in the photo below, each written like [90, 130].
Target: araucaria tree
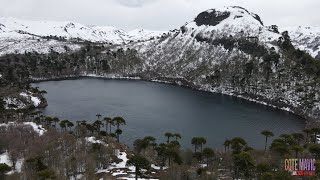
[226, 145]
[168, 135]
[97, 124]
[267, 134]
[208, 153]
[170, 152]
[107, 121]
[198, 142]
[238, 145]
[244, 165]
[139, 162]
[177, 136]
[118, 121]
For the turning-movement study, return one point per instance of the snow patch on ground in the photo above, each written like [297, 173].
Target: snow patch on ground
[4, 158]
[93, 140]
[20, 103]
[123, 163]
[35, 100]
[203, 165]
[106, 76]
[7, 124]
[37, 128]
[13, 101]
[110, 76]
[121, 167]
[153, 166]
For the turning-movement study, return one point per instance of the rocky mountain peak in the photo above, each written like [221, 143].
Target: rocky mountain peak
[213, 17]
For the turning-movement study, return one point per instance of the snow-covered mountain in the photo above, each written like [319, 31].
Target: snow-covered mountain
[231, 21]
[12, 27]
[230, 51]
[238, 22]
[210, 28]
[67, 30]
[19, 36]
[305, 38]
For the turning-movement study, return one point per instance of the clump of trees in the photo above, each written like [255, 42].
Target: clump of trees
[61, 153]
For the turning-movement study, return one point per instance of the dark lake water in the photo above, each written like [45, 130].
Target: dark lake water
[153, 109]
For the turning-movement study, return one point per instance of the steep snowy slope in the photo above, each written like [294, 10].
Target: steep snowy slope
[230, 51]
[214, 37]
[20, 43]
[305, 38]
[209, 27]
[231, 21]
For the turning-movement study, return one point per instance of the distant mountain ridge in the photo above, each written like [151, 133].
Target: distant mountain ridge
[71, 30]
[14, 33]
[19, 36]
[305, 38]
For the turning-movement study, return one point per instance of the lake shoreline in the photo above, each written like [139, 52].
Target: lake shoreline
[153, 108]
[178, 82]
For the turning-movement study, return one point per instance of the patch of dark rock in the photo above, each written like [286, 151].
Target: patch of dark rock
[212, 18]
[257, 18]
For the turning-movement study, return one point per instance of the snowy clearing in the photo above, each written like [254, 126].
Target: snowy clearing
[37, 128]
[35, 100]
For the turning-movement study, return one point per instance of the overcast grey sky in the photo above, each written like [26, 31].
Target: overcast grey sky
[157, 14]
